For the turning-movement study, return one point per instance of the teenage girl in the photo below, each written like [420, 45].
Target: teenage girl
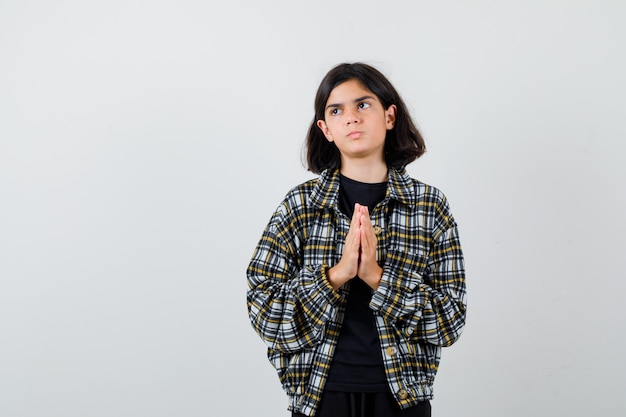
[358, 280]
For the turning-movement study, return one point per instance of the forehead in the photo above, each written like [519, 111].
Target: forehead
[348, 91]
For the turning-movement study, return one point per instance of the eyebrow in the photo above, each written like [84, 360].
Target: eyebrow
[335, 105]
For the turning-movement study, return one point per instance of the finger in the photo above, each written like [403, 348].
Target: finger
[365, 220]
[354, 222]
[368, 240]
[353, 239]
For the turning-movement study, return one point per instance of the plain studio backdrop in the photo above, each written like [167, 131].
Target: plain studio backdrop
[145, 144]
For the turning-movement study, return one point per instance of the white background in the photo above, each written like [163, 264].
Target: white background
[145, 144]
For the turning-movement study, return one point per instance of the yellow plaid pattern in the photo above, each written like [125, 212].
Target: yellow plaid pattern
[419, 306]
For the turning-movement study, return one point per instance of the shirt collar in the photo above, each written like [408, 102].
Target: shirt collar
[326, 191]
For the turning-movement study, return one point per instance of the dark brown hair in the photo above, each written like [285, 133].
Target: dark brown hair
[403, 144]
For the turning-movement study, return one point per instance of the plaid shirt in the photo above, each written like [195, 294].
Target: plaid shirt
[419, 305]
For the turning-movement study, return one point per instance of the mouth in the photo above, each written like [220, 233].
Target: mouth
[354, 135]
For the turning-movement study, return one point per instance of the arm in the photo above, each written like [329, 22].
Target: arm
[288, 302]
[425, 298]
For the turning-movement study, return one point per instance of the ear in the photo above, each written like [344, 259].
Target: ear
[390, 116]
[324, 128]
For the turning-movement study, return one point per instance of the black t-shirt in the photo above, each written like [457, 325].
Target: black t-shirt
[357, 363]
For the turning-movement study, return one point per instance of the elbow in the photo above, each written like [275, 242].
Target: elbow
[282, 336]
[453, 329]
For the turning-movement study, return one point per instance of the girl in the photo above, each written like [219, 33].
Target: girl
[358, 280]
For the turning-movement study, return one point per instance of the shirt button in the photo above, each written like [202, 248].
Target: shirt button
[391, 351]
[403, 394]
[378, 230]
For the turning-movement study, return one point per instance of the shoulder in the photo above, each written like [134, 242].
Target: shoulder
[414, 192]
[428, 194]
[430, 202]
[294, 209]
[299, 195]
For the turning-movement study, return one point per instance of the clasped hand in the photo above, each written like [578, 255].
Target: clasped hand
[359, 253]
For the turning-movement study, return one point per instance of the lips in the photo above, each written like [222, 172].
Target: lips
[354, 135]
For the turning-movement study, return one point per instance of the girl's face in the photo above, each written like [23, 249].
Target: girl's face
[356, 121]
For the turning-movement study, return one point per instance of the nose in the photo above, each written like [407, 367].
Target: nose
[351, 116]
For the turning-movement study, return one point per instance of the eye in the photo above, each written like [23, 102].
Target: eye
[364, 105]
[335, 111]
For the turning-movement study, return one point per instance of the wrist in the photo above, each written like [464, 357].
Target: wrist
[336, 277]
[373, 278]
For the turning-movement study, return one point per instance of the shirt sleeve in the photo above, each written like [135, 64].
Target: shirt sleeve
[429, 303]
[288, 302]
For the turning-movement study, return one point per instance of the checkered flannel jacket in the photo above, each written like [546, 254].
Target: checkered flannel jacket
[419, 306]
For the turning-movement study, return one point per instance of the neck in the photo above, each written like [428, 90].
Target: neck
[366, 172]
